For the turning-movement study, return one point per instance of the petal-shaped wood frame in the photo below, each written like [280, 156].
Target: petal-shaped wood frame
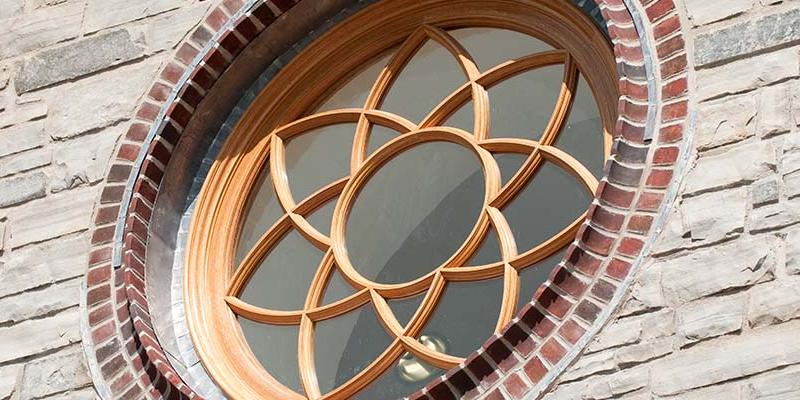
[213, 284]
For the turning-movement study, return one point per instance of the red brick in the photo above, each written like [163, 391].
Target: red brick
[666, 155]
[536, 321]
[137, 132]
[98, 275]
[671, 134]
[675, 88]
[607, 219]
[552, 351]
[659, 9]
[630, 246]
[587, 311]
[674, 111]
[640, 223]
[568, 283]
[659, 178]
[216, 19]
[106, 215]
[670, 46]
[535, 370]
[159, 92]
[186, 53]
[128, 152]
[172, 73]
[666, 27]
[119, 173]
[583, 261]
[673, 66]
[615, 196]
[571, 331]
[596, 241]
[148, 112]
[603, 291]
[618, 269]
[555, 304]
[515, 386]
[650, 201]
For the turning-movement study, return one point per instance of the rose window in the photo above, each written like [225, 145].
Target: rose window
[410, 211]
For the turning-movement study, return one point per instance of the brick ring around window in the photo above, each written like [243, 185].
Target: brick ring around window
[652, 134]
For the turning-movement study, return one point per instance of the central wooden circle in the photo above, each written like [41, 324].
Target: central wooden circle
[411, 206]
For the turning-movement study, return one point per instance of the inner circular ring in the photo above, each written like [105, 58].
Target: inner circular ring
[371, 166]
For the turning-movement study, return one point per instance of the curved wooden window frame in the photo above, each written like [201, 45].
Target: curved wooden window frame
[211, 284]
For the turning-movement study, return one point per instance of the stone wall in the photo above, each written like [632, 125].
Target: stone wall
[71, 75]
[714, 312]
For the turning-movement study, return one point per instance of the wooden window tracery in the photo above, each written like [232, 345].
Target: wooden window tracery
[214, 325]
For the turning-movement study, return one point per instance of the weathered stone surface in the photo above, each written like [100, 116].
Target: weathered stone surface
[747, 37]
[781, 385]
[83, 394]
[645, 293]
[726, 392]
[774, 303]
[674, 233]
[24, 161]
[658, 324]
[83, 160]
[618, 333]
[708, 271]
[22, 188]
[77, 59]
[775, 110]
[39, 335]
[22, 137]
[738, 165]
[643, 352]
[101, 14]
[740, 76]
[53, 374]
[765, 192]
[590, 364]
[23, 111]
[774, 216]
[8, 378]
[35, 30]
[166, 30]
[74, 108]
[793, 251]
[715, 216]
[67, 213]
[702, 12]
[725, 121]
[36, 303]
[625, 381]
[10, 8]
[708, 318]
[727, 358]
[43, 264]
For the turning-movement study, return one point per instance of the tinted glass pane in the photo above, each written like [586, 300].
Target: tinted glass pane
[532, 277]
[322, 217]
[466, 315]
[283, 278]
[521, 106]
[489, 251]
[462, 118]
[354, 93]
[582, 136]
[263, 211]
[415, 212]
[403, 378]
[404, 309]
[347, 344]
[509, 164]
[317, 158]
[430, 76]
[551, 201]
[378, 136]
[490, 46]
[275, 346]
[337, 288]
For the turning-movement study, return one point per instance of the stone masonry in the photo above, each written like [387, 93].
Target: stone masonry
[71, 74]
[713, 314]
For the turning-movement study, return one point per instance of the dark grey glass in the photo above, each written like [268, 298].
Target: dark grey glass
[466, 315]
[534, 276]
[353, 94]
[345, 345]
[263, 211]
[318, 157]
[522, 106]
[509, 164]
[431, 75]
[491, 46]
[415, 212]
[322, 217]
[284, 277]
[392, 385]
[404, 309]
[337, 288]
[582, 136]
[551, 201]
[275, 347]
[489, 251]
[378, 136]
[463, 118]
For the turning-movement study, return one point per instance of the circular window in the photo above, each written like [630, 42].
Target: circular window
[395, 195]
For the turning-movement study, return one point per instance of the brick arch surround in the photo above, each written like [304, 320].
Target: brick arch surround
[549, 333]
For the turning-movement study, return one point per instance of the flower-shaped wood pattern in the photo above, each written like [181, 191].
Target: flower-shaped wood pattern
[537, 146]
